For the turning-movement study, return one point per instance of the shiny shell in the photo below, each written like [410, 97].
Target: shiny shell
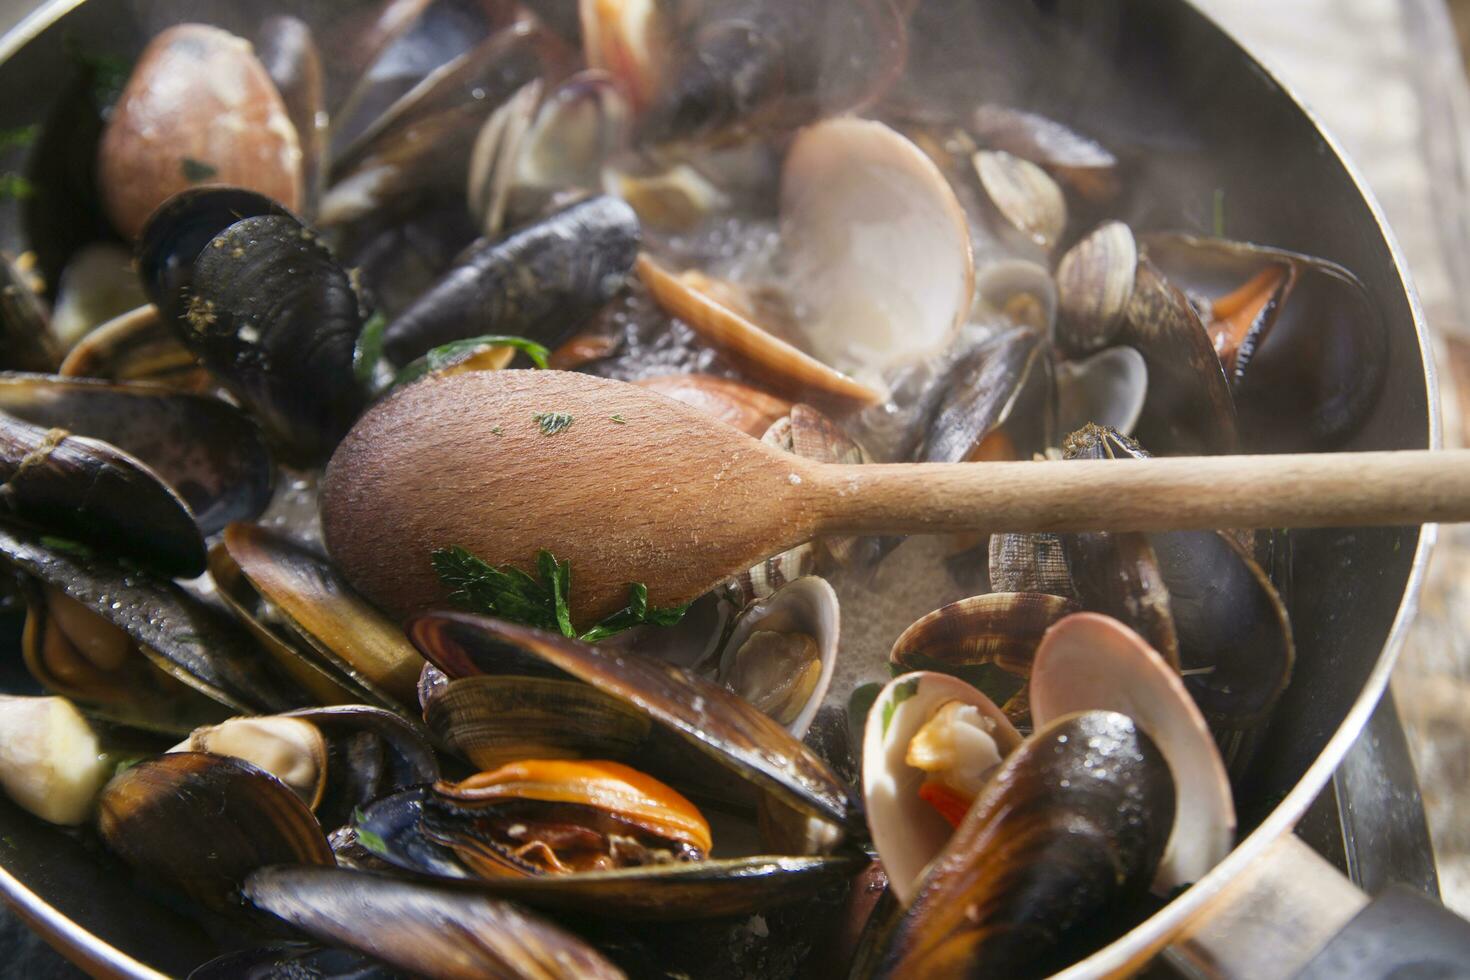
[1072, 825]
[907, 832]
[1021, 291]
[199, 824]
[998, 402]
[1081, 163]
[748, 409]
[1089, 662]
[137, 346]
[882, 294]
[1108, 389]
[1095, 286]
[766, 670]
[199, 107]
[402, 923]
[1028, 200]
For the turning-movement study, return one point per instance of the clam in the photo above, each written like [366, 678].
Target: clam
[137, 346]
[198, 108]
[929, 746]
[336, 632]
[198, 824]
[88, 617]
[50, 762]
[207, 449]
[1071, 827]
[1021, 291]
[1083, 164]
[1108, 388]
[782, 650]
[1089, 662]
[748, 409]
[533, 147]
[997, 402]
[335, 759]
[725, 316]
[403, 923]
[987, 640]
[91, 491]
[1298, 336]
[1028, 202]
[1095, 286]
[541, 282]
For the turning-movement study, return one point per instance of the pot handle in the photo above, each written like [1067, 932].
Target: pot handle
[1292, 914]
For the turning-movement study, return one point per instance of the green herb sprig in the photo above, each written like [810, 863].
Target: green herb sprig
[542, 601]
[553, 422]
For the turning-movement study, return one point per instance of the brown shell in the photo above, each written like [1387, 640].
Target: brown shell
[200, 823]
[748, 409]
[1072, 825]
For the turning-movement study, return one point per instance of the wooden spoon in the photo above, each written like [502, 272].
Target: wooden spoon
[641, 488]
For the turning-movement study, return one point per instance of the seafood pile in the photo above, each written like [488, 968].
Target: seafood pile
[981, 756]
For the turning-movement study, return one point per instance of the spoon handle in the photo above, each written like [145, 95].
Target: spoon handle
[1162, 494]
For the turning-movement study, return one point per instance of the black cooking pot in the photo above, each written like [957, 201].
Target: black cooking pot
[1206, 132]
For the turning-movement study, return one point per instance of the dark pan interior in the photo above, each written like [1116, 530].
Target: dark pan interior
[1159, 85]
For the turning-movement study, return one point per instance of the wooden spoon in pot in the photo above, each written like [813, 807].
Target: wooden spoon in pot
[632, 486]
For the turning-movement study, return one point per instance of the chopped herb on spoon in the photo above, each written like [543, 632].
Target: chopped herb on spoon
[541, 601]
[618, 419]
[553, 422]
[197, 171]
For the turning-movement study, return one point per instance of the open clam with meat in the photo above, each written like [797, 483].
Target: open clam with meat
[446, 765]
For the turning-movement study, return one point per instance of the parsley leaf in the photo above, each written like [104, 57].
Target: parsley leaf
[452, 353]
[369, 349]
[511, 594]
[553, 422]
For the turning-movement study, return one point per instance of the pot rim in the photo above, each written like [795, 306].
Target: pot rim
[1128, 952]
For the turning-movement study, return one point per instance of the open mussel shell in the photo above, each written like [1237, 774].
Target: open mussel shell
[907, 832]
[782, 650]
[495, 720]
[682, 890]
[206, 449]
[712, 310]
[1300, 336]
[1081, 163]
[403, 923]
[998, 403]
[1235, 642]
[987, 640]
[198, 824]
[288, 52]
[175, 125]
[136, 346]
[1071, 827]
[540, 282]
[748, 409]
[1090, 662]
[709, 718]
[336, 758]
[93, 492]
[353, 643]
[1108, 389]
[1118, 573]
[187, 639]
[1189, 407]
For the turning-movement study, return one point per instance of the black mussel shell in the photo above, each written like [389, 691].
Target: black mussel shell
[985, 389]
[178, 231]
[294, 961]
[370, 753]
[541, 282]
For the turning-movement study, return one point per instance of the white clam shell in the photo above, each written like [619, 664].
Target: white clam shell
[805, 605]
[1092, 662]
[1108, 388]
[907, 832]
